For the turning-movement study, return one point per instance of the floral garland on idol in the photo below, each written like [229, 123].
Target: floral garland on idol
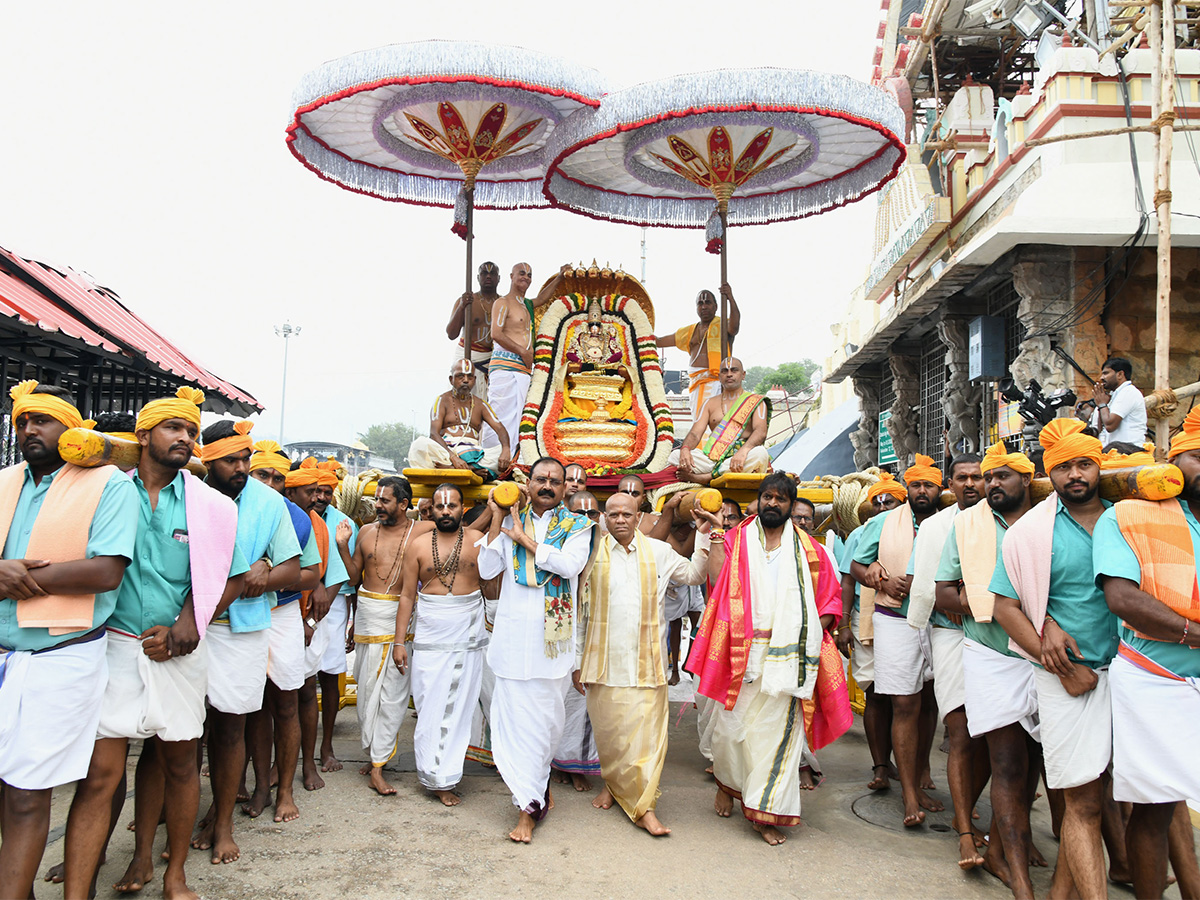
[547, 402]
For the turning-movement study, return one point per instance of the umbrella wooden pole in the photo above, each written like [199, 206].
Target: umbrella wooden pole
[466, 329]
[724, 279]
[1165, 117]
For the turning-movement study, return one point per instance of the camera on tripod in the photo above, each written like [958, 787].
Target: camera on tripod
[1035, 406]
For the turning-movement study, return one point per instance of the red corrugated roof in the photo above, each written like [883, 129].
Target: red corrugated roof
[68, 302]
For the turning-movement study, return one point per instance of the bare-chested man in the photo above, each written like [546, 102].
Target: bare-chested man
[376, 565]
[448, 642]
[737, 424]
[454, 424]
[481, 324]
[512, 349]
[702, 343]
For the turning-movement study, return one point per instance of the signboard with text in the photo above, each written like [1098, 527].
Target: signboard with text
[887, 453]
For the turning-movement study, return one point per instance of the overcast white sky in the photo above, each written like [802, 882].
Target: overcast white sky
[144, 144]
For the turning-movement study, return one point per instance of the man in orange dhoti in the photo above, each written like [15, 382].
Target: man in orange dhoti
[702, 343]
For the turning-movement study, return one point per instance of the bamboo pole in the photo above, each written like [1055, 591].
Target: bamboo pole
[1164, 118]
[1103, 132]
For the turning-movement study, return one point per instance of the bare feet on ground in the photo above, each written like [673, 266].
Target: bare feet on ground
[177, 889]
[913, 814]
[258, 801]
[558, 776]
[674, 679]
[448, 798]
[723, 804]
[329, 762]
[649, 822]
[286, 809]
[580, 782]
[136, 877]
[968, 853]
[243, 793]
[604, 800]
[312, 779]
[929, 803]
[379, 783]
[770, 834]
[927, 782]
[1036, 858]
[708, 770]
[880, 782]
[807, 782]
[203, 839]
[995, 864]
[523, 833]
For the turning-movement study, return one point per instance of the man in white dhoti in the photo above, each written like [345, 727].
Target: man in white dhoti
[238, 641]
[448, 642]
[482, 302]
[701, 341]
[706, 708]
[68, 534]
[186, 568]
[736, 421]
[1145, 557]
[623, 655]
[1048, 603]
[532, 651]
[383, 689]
[757, 655]
[454, 426]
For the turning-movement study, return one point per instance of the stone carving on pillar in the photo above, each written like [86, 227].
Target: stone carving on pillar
[1043, 278]
[866, 438]
[903, 425]
[961, 400]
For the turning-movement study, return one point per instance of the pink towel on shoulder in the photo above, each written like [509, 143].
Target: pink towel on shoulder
[1027, 550]
[212, 535]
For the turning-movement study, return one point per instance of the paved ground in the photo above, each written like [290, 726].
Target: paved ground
[350, 842]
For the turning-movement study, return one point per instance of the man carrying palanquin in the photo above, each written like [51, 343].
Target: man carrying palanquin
[622, 641]
[448, 642]
[737, 423]
[68, 535]
[541, 549]
[702, 343]
[186, 569]
[512, 350]
[454, 428]
[757, 655]
[1048, 603]
[481, 324]
[1145, 557]
[239, 641]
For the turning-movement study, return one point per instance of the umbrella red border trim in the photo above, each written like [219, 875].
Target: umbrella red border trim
[324, 176]
[892, 141]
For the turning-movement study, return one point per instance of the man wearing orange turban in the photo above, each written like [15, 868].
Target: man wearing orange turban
[999, 691]
[69, 533]
[887, 493]
[239, 642]
[185, 571]
[903, 658]
[1145, 557]
[1048, 603]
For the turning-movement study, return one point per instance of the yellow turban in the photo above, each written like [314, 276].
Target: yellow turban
[1188, 439]
[269, 455]
[887, 485]
[1064, 440]
[237, 442]
[997, 455]
[923, 470]
[184, 405]
[26, 401]
[308, 473]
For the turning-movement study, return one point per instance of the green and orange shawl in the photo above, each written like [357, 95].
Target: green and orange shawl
[727, 438]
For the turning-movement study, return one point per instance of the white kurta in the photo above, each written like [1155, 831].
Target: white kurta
[527, 714]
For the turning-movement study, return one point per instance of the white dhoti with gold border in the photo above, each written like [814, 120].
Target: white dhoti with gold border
[383, 691]
[426, 453]
[631, 728]
[757, 460]
[447, 669]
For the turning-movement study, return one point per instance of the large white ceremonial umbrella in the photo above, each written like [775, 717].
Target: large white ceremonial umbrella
[439, 123]
[767, 145]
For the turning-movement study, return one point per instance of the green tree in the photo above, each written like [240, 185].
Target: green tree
[793, 377]
[390, 439]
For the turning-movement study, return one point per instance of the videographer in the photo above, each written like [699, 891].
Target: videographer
[1120, 413]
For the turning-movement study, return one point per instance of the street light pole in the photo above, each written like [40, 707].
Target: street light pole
[285, 331]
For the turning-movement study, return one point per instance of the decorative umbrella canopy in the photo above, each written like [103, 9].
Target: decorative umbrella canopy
[416, 122]
[768, 144]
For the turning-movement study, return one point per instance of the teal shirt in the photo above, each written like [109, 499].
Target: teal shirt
[847, 556]
[111, 533]
[336, 572]
[1075, 603]
[868, 546]
[281, 547]
[1114, 558]
[990, 634]
[159, 577]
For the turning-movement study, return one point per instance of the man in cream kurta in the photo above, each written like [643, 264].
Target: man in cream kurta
[532, 672]
[622, 656]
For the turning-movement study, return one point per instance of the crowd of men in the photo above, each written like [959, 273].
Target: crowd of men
[534, 632]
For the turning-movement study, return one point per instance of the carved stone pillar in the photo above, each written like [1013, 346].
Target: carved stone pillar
[905, 420]
[961, 400]
[1043, 277]
[866, 438]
